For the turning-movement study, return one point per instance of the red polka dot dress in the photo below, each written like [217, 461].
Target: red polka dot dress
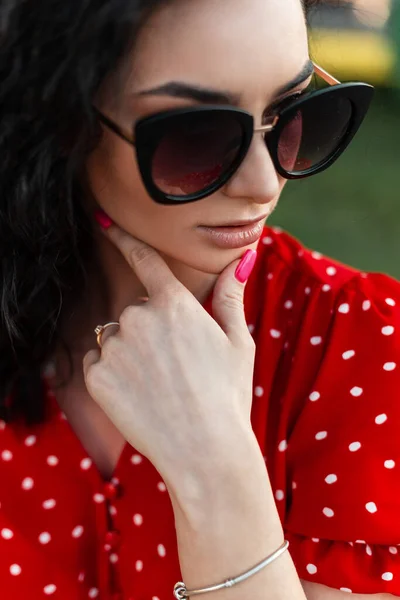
[326, 414]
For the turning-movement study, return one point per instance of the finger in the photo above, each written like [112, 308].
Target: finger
[90, 359]
[228, 300]
[144, 260]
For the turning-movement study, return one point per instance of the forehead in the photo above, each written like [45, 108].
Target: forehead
[248, 46]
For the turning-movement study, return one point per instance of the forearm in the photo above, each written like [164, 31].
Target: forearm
[226, 522]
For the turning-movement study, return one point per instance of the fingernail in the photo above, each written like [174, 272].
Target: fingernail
[103, 220]
[246, 266]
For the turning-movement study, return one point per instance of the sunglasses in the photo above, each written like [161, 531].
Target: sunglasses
[187, 154]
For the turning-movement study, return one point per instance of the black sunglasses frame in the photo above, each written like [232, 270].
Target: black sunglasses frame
[149, 131]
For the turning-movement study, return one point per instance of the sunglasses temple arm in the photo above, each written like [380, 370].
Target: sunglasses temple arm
[106, 121]
[325, 75]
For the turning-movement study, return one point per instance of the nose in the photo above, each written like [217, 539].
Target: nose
[256, 177]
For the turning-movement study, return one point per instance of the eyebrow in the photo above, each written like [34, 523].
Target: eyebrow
[211, 96]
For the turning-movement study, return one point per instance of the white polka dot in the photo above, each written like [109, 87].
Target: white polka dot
[136, 459]
[331, 479]
[389, 366]
[356, 391]
[50, 503]
[389, 464]
[393, 550]
[112, 510]
[113, 558]
[139, 565]
[279, 495]
[307, 290]
[81, 577]
[270, 276]
[161, 486]
[277, 229]
[288, 304]
[98, 498]
[371, 507]
[77, 531]
[354, 446]
[93, 593]
[15, 569]
[267, 240]
[316, 255]
[251, 328]
[161, 550]
[368, 550]
[282, 446]
[138, 519]
[294, 485]
[86, 463]
[27, 483]
[2, 425]
[331, 271]
[321, 435]
[275, 333]
[388, 330]
[344, 308]
[258, 391]
[390, 302]
[30, 440]
[348, 354]
[316, 340]
[312, 569]
[44, 537]
[326, 287]
[155, 598]
[366, 305]
[52, 461]
[314, 396]
[6, 533]
[328, 512]
[361, 542]
[348, 590]
[300, 253]
[6, 455]
[315, 540]
[380, 419]
[388, 576]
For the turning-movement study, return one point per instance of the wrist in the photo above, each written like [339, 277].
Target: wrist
[235, 479]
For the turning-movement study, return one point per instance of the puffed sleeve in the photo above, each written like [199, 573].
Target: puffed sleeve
[332, 433]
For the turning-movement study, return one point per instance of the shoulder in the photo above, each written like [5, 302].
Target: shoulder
[334, 416]
[296, 257]
[287, 268]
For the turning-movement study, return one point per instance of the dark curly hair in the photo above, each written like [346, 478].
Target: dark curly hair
[54, 56]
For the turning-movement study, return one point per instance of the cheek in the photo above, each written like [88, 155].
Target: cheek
[114, 178]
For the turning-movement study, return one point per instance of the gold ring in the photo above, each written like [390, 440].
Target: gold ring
[100, 329]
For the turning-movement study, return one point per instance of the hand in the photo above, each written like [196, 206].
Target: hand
[173, 380]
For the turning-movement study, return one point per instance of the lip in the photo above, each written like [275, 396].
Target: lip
[234, 237]
[240, 223]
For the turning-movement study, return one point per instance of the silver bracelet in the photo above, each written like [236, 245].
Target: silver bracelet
[181, 593]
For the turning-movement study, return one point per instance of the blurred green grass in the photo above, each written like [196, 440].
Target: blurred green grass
[351, 212]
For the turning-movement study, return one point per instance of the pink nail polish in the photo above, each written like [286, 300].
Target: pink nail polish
[103, 219]
[246, 266]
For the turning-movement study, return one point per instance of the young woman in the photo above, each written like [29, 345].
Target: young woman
[167, 426]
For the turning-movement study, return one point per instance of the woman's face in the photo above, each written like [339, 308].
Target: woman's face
[251, 49]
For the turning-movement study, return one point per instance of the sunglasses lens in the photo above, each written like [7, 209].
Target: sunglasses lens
[314, 133]
[195, 151]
